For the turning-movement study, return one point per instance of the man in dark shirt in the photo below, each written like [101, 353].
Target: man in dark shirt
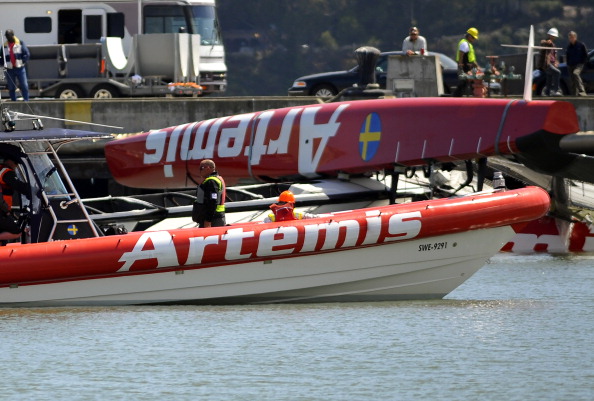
[577, 56]
[209, 206]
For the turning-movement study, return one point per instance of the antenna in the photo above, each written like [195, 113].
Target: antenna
[66, 120]
[9, 119]
[530, 62]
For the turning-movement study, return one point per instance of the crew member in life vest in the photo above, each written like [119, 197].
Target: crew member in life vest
[283, 210]
[9, 182]
[466, 59]
[14, 56]
[209, 207]
[9, 229]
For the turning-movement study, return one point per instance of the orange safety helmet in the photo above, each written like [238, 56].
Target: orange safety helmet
[286, 196]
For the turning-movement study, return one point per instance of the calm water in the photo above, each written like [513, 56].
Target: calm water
[520, 329]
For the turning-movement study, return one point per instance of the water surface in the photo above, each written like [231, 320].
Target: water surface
[520, 329]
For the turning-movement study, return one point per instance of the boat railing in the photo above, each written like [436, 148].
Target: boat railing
[66, 207]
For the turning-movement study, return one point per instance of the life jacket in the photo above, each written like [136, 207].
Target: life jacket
[468, 57]
[19, 54]
[6, 190]
[282, 212]
[221, 192]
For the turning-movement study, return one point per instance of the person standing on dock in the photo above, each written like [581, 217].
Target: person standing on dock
[466, 59]
[14, 56]
[550, 65]
[209, 207]
[577, 57]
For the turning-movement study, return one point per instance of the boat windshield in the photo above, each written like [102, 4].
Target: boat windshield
[48, 176]
[198, 19]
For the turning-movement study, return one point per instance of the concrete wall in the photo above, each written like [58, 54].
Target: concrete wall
[418, 76]
[139, 115]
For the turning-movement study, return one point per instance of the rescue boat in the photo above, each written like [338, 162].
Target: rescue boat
[418, 250]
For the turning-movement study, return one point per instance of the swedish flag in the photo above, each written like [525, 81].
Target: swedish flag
[369, 136]
[72, 229]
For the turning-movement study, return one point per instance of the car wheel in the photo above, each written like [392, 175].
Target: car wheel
[324, 91]
[104, 92]
[70, 92]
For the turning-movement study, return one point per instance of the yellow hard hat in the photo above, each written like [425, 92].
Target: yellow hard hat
[286, 196]
[473, 32]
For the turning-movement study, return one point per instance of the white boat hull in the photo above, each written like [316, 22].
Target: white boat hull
[417, 269]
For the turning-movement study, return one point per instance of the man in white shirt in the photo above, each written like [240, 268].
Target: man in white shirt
[414, 43]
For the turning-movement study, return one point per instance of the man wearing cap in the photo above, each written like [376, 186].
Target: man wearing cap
[15, 55]
[549, 64]
[8, 184]
[414, 43]
[466, 59]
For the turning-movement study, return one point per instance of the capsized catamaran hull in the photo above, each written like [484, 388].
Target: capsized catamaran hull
[416, 250]
[326, 140]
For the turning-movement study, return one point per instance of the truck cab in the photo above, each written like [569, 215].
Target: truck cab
[45, 26]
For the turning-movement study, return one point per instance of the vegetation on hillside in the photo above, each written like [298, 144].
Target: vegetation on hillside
[272, 42]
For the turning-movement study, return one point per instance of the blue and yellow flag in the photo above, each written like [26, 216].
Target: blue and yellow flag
[369, 136]
[72, 229]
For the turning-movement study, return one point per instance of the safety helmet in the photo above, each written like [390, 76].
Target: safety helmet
[473, 32]
[286, 196]
[553, 32]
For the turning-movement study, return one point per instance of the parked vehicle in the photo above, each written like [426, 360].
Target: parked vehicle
[539, 78]
[70, 57]
[330, 83]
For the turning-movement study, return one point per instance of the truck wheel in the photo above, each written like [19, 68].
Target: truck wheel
[70, 92]
[104, 92]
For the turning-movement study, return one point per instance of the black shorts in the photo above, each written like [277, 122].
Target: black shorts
[7, 224]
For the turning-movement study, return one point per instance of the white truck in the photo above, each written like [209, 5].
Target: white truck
[112, 48]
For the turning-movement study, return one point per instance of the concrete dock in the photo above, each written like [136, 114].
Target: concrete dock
[138, 115]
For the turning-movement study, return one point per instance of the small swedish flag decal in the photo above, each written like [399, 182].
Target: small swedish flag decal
[72, 229]
[369, 136]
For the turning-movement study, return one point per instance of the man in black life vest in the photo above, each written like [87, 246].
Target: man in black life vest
[209, 207]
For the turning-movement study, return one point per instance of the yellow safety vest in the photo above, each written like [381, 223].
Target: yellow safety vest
[221, 193]
[471, 57]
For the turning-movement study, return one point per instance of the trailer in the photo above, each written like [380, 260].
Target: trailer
[111, 48]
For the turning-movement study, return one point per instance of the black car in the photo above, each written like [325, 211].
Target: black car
[330, 83]
[539, 78]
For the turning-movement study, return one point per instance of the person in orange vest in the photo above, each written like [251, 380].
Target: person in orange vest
[283, 210]
[9, 182]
